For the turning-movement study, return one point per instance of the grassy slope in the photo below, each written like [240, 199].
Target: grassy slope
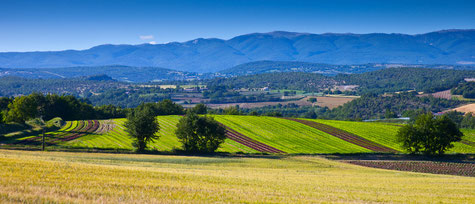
[469, 135]
[385, 134]
[118, 138]
[41, 177]
[288, 136]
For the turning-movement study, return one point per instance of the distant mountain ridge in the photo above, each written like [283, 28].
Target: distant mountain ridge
[211, 55]
[121, 73]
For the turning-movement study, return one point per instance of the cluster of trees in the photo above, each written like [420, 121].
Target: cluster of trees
[462, 120]
[220, 94]
[83, 86]
[196, 133]
[130, 97]
[467, 90]
[403, 79]
[279, 110]
[292, 80]
[347, 92]
[23, 108]
[373, 106]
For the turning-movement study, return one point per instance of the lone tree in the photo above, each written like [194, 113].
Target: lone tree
[312, 100]
[200, 134]
[142, 126]
[429, 135]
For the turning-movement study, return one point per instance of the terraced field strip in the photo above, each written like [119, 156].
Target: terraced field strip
[88, 127]
[352, 138]
[244, 140]
[288, 136]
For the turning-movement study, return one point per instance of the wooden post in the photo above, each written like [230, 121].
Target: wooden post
[43, 148]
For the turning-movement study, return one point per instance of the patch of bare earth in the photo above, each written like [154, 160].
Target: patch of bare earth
[434, 167]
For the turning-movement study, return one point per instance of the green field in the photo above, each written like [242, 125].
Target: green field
[58, 177]
[288, 136]
[119, 139]
[385, 134]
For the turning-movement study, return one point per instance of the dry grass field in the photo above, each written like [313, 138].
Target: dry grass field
[58, 177]
[466, 108]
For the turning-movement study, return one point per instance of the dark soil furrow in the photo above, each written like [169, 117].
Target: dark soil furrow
[349, 137]
[244, 140]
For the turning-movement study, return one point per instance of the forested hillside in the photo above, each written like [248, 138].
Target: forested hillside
[292, 80]
[404, 79]
[380, 81]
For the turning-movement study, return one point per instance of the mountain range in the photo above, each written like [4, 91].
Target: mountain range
[454, 47]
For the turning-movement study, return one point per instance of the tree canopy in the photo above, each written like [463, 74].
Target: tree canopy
[142, 126]
[200, 134]
[429, 135]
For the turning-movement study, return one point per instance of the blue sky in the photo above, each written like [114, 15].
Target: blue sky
[73, 24]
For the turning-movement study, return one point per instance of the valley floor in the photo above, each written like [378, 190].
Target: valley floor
[28, 176]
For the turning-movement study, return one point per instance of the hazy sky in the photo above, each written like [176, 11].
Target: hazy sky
[72, 24]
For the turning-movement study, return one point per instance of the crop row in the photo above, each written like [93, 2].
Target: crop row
[242, 139]
[71, 131]
[352, 138]
[462, 169]
[105, 126]
[287, 136]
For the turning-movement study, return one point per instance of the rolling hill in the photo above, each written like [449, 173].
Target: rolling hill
[246, 134]
[211, 55]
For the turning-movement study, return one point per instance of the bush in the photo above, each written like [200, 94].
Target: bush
[200, 134]
[312, 100]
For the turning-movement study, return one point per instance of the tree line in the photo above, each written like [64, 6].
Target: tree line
[467, 90]
[47, 106]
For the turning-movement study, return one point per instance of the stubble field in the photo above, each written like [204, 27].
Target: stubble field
[111, 178]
